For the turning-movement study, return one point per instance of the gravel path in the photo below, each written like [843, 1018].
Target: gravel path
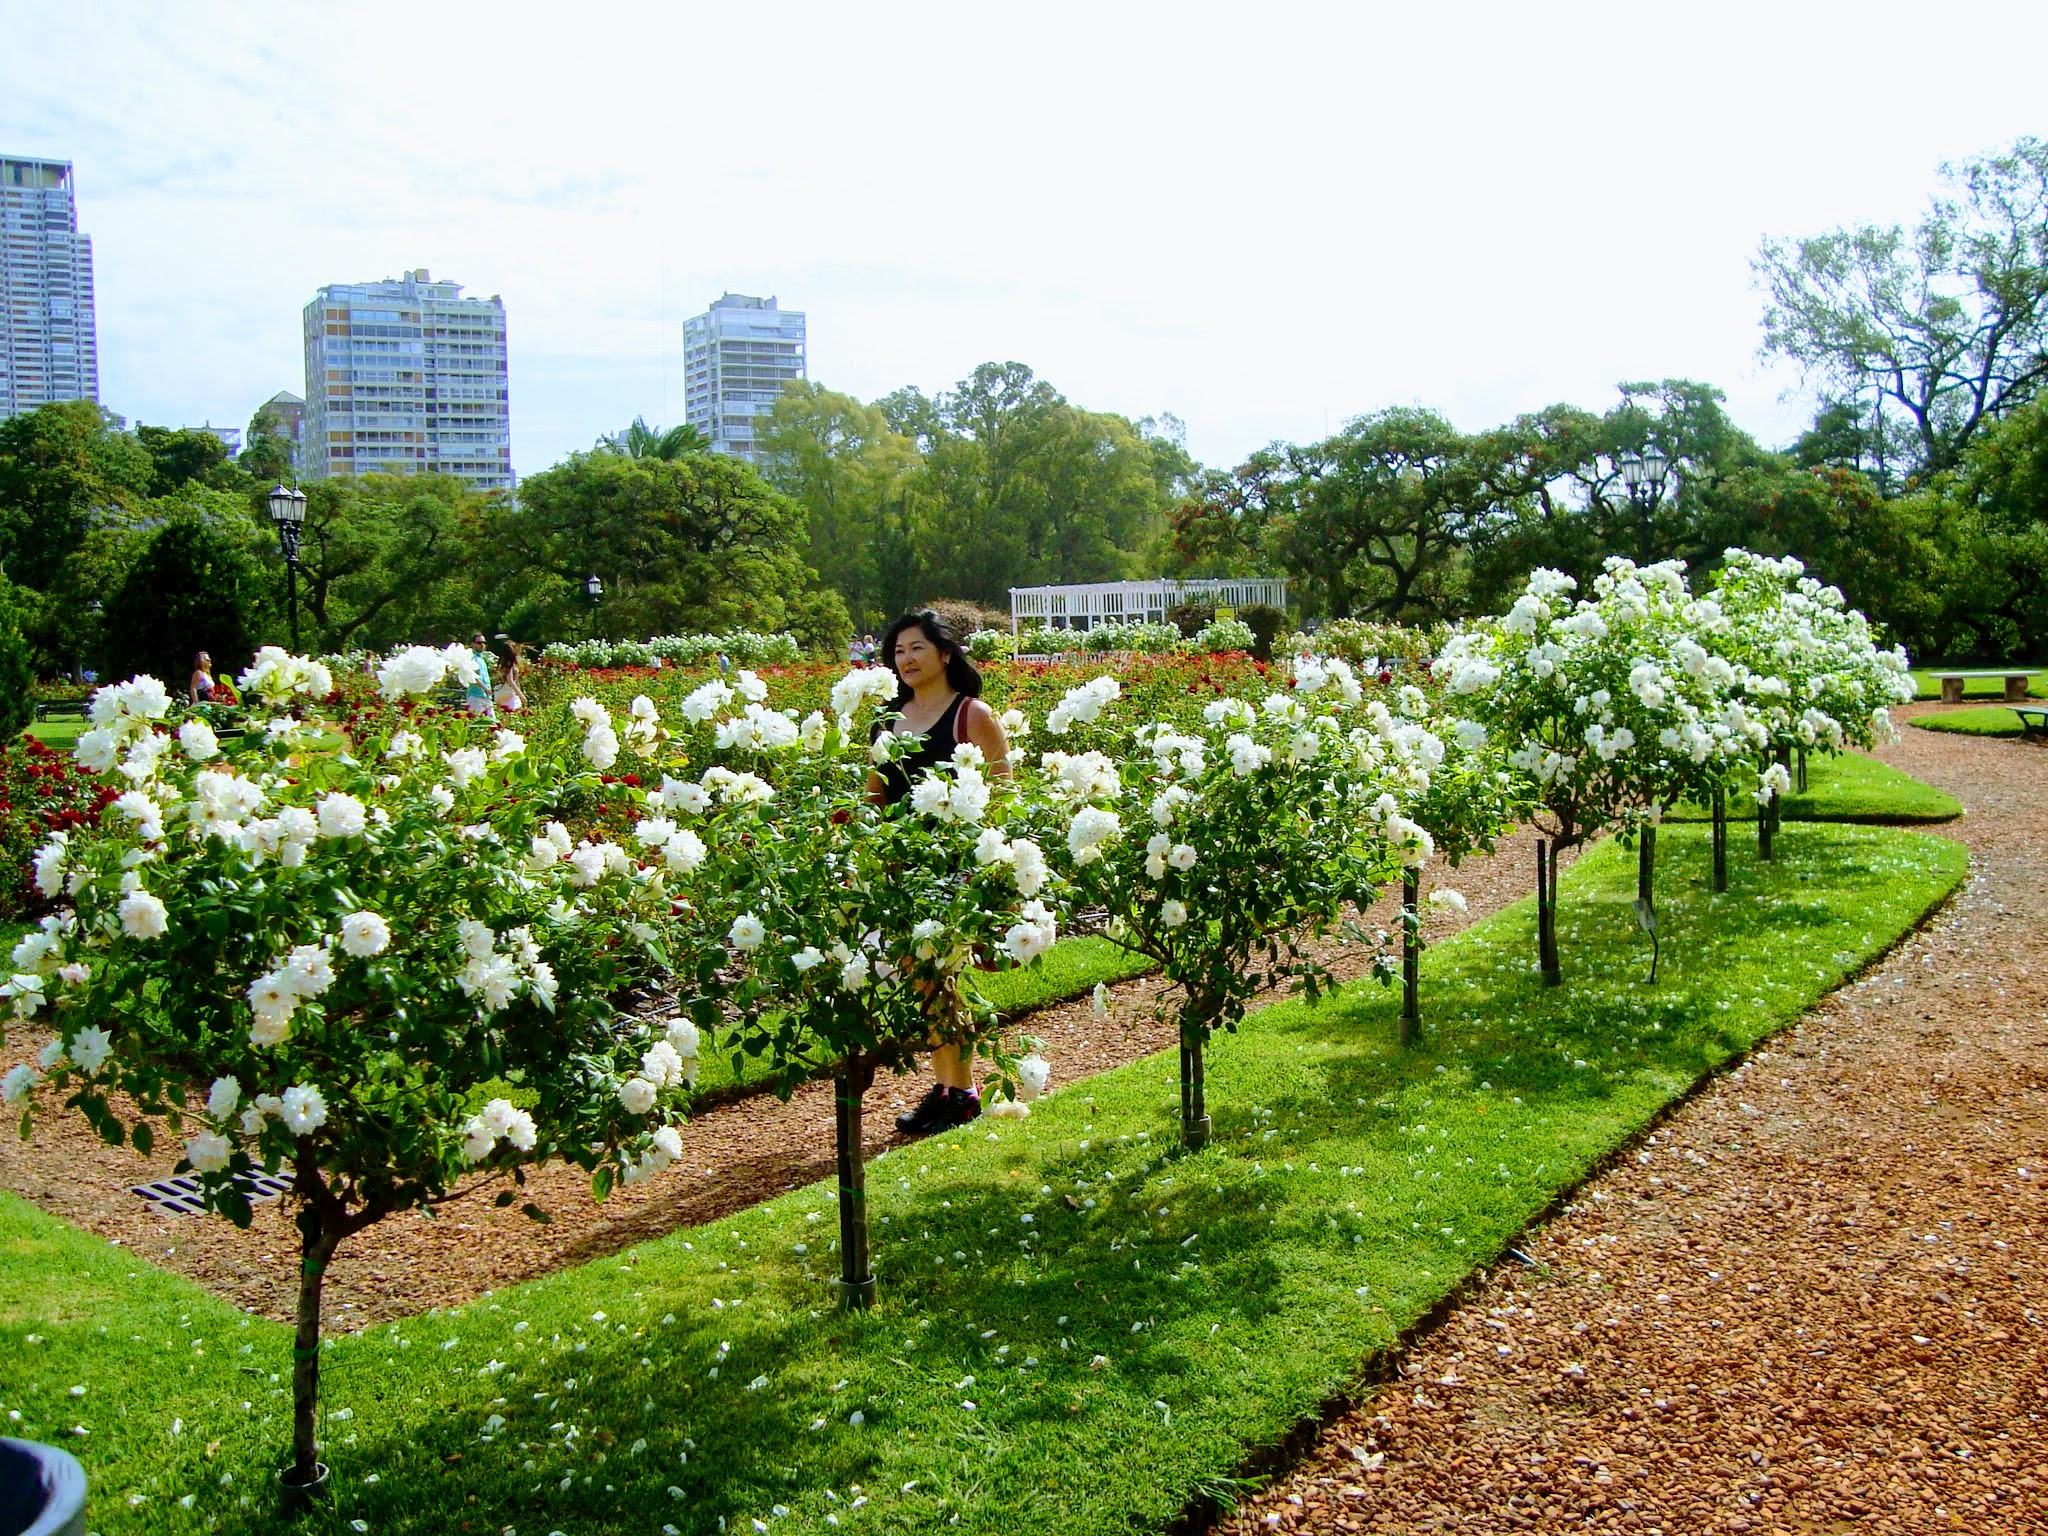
[1815, 1301]
[734, 1156]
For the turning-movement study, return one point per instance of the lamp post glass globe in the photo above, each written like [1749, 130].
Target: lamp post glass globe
[594, 587]
[1631, 470]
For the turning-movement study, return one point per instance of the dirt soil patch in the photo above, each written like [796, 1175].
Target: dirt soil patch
[735, 1155]
[1815, 1301]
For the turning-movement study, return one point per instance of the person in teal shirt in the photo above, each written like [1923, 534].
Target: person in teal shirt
[478, 696]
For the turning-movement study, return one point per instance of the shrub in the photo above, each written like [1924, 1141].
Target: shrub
[991, 645]
[1191, 618]
[1226, 635]
[968, 618]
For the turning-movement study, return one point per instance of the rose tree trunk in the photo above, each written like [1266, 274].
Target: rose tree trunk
[856, 1276]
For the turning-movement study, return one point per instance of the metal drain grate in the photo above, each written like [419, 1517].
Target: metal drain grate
[182, 1195]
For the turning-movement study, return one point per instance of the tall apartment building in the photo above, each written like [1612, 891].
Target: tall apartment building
[49, 349]
[407, 377]
[737, 355]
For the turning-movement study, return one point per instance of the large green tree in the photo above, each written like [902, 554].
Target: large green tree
[386, 559]
[1925, 334]
[62, 467]
[181, 456]
[699, 542]
[189, 590]
[851, 472]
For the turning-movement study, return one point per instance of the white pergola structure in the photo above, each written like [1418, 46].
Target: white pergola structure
[1135, 602]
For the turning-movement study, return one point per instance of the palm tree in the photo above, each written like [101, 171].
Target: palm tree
[640, 441]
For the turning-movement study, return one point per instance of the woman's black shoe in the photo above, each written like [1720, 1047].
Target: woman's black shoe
[934, 1112]
[966, 1106]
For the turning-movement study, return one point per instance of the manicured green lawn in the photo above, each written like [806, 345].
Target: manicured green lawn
[1973, 722]
[1848, 787]
[1079, 1329]
[1977, 687]
[62, 732]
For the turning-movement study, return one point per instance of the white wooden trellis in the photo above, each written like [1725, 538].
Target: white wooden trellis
[1135, 602]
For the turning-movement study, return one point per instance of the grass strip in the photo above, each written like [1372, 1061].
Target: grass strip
[1070, 969]
[1974, 722]
[1080, 1328]
[1851, 787]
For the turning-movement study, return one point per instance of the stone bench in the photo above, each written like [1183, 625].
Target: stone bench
[2015, 684]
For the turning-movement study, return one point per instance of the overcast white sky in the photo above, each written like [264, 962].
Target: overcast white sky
[1262, 218]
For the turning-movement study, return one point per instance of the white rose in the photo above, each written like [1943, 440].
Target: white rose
[302, 1109]
[637, 1095]
[747, 932]
[207, 1152]
[341, 816]
[221, 1100]
[143, 916]
[806, 957]
[1172, 913]
[198, 740]
[18, 1083]
[1033, 1073]
[364, 934]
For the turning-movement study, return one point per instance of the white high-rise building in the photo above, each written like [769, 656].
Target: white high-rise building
[737, 355]
[49, 349]
[407, 377]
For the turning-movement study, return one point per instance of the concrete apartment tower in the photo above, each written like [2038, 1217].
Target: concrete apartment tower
[49, 348]
[737, 355]
[407, 377]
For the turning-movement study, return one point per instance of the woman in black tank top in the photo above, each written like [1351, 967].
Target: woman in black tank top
[938, 697]
[936, 747]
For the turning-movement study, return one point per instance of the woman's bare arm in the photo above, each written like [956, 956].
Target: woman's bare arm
[980, 725]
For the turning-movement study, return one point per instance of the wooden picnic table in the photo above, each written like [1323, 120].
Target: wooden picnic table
[2015, 684]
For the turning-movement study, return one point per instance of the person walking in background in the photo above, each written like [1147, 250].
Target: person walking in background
[938, 699]
[511, 696]
[478, 695]
[200, 690]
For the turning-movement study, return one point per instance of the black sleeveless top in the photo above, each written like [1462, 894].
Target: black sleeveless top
[937, 747]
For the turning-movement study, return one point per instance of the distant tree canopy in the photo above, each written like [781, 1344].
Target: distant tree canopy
[1915, 340]
[998, 482]
[698, 542]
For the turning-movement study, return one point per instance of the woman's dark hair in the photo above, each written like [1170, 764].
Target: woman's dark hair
[961, 675]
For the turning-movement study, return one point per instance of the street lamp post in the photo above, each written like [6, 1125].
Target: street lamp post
[593, 587]
[1645, 474]
[288, 512]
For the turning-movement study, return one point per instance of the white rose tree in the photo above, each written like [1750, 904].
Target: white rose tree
[1807, 671]
[382, 965]
[1221, 850]
[1465, 799]
[1601, 706]
[854, 927]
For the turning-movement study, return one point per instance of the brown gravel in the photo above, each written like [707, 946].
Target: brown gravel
[1814, 1301]
[735, 1155]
